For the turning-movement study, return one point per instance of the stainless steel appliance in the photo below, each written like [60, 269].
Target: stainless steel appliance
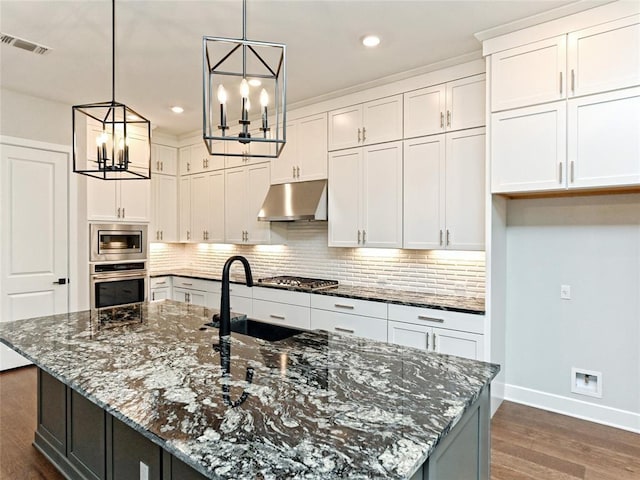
[298, 283]
[116, 284]
[116, 242]
[288, 202]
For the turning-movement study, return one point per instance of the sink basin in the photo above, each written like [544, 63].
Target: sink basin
[257, 329]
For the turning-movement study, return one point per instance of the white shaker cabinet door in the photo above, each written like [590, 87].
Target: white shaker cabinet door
[528, 148]
[465, 189]
[604, 139]
[258, 179]
[199, 207]
[312, 147]
[424, 111]
[604, 57]
[424, 164]
[528, 75]
[102, 199]
[466, 103]
[460, 344]
[283, 168]
[344, 198]
[409, 335]
[135, 200]
[382, 120]
[215, 230]
[164, 212]
[345, 127]
[235, 188]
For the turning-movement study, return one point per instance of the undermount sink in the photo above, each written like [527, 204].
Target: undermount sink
[257, 329]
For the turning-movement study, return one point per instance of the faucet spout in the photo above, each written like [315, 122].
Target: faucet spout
[225, 308]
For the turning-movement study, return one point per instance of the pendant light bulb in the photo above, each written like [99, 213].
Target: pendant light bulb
[222, 94]
[247, 105]
[264, 98]
[244, 88]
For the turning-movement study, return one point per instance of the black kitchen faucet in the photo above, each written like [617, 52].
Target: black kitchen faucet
[225, 308]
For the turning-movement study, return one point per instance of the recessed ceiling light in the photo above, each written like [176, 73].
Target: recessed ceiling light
[177, 109]
[371, 41]
[254, 82]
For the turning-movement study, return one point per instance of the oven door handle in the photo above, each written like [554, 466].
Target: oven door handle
[117, 276]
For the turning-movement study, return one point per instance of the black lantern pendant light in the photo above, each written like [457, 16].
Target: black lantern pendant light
[110, 140]
[239, 73]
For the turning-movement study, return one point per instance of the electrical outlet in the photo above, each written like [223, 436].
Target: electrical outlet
[565, 292]
[586, 382]
[144, 471]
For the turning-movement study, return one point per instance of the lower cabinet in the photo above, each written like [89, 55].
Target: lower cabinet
[437, 330]
[87, 433]
[134, 456]
[195, 291]
[349, 316]
[160, 288]
[282, 307]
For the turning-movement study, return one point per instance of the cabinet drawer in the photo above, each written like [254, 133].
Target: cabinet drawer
[238, 290]
[197, 284]
[349, 306]
[281, 314]
[282, 296]
[466, 322]
[160, 282]
[344, 323]
[240, 305]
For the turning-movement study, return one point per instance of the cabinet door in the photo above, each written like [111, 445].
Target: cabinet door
[211, 162]
[162, 293]
[424, 164]
[382, 120]
[164, 159]
[135, 200]
[282, 314]
[283, 167]
[344, 198]
[604, 57]
[198, 158]
[102, 201]
[312, 147]
[199, 207]
[604, 139]
[240, 305]
[235, 204]
[464, 190]
[258, 177]
[461, 344]
[466, 103]
[215, 228]
[184, 158]
[239, 152]
[424, 111]
[527, 75]
[382, 196]
[166, 201]
[528, 149]
[409, 335]
[345, 127]
[139, 148]
[130, 449]
[184, 209]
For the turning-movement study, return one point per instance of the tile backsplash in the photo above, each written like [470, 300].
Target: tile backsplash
[306, 254]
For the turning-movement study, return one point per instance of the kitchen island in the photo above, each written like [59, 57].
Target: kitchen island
[143, 395]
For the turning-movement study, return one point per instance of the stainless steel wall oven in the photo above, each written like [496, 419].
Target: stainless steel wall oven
[117, 284]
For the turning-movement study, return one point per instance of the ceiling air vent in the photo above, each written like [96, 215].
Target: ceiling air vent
[23, 44]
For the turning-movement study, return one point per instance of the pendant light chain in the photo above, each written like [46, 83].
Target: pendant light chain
[113, 51]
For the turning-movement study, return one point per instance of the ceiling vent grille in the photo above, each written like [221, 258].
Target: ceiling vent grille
[23, 44]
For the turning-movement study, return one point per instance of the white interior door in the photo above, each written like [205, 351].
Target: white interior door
[34, 237]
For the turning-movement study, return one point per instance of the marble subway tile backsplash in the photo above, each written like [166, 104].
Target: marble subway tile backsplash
[307, 254]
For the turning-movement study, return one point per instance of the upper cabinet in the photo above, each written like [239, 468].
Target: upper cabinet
[196, 159]
[566, 111]
[304, 156]
[164, 160]
[366, 124]
[118, 200]
[450, 106]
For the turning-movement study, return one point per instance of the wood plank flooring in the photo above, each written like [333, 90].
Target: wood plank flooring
[527, 443]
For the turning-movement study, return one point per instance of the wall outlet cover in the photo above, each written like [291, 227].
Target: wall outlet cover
[586, 382]
[565, 292]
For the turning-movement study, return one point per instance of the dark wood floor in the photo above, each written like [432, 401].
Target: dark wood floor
[527, 443]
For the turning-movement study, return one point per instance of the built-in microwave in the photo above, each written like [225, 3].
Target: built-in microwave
[115, 242]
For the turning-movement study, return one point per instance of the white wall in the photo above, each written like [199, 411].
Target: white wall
[591, 243]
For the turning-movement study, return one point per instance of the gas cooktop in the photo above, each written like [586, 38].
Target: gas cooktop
[299, 283]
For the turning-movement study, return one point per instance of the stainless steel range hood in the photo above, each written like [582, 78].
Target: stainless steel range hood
[295, 201]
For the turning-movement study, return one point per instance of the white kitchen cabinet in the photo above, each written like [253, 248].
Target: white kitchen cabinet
[528, 148]
[603, 140]
[304, 156]
[186, 295]
[349, 316]
[205, 293]
[245, 189]
[196, 159]
[282, 307]
[365, 197]
[164, 208]
[202, 207]
[604, 57]
[444, 191]
[245, 150]
[164, 159]
[450, 106]
[118, 200]
[530, 74]
[160, 288]
[439, 331]
[369, 123]
[241, 299]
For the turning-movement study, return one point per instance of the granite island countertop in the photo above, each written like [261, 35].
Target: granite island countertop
[452, 303]
[320, 405]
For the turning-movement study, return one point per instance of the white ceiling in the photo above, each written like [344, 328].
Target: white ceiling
[159, 45]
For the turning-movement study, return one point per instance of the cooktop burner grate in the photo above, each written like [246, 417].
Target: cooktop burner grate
[302, 283]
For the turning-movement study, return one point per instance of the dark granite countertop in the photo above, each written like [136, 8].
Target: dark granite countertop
[320, 405]
[426, 300]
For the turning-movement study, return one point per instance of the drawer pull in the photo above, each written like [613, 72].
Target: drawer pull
[186, 284]
[161, 283]
[341, 305]
[431, 319]
[277, 317]
[345, 330]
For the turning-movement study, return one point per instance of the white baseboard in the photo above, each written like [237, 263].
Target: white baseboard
[612, 417]
[497, 395]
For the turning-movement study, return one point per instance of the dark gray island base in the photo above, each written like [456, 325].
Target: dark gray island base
[146, 398]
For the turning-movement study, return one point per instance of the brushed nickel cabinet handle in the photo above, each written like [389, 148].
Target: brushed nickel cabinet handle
[440, 236]
[359, 136]
[298, 172]
[186, 284]
[448, 236]
[364, 134]
[435, 346]
[118, 212]
[157, 235]
[161, 234]
[342, 305]
[560, 83]
[188, 167]
[277, 317]
[573, 81]
[153, 295]
[294, 172]
[448, 118]
[560, 172]
[345, 330]
[572, 171]
[431, 319]
[161, 282]
[364, 237]
[427, 340]
[162, 166]
[358, 236]
[188, 235]
[441, 119]
[123, 215]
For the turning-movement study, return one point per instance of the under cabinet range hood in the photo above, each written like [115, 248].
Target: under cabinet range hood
[287, 202]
